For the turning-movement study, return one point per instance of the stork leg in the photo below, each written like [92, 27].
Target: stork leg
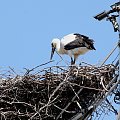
[72, 61]
[75, 57]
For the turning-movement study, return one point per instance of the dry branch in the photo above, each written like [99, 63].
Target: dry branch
[53, 93]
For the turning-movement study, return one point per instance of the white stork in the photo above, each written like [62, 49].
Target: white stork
[72, 45]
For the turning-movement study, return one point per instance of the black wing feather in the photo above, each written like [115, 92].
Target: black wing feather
[74, 44]
[80, 41]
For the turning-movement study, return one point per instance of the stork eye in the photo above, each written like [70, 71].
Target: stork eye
[52, 45]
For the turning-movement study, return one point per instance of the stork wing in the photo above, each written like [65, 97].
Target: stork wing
[74, 44]
[80, 41]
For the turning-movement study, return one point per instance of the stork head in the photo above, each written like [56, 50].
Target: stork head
[54, 45]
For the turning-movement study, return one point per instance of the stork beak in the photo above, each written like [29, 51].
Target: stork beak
[52, 52]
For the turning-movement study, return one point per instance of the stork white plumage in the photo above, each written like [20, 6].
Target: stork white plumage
[72, 45]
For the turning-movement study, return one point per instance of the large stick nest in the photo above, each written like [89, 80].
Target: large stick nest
[53, 93]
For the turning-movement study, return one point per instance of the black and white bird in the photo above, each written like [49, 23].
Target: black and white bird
[72, 45]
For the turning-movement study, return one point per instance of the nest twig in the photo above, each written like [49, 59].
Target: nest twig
[53, 93]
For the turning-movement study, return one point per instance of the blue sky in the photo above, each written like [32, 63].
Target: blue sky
[28, 26]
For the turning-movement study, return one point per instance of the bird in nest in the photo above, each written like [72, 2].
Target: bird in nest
[73, 45]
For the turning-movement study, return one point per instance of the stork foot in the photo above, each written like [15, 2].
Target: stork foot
[72, 63]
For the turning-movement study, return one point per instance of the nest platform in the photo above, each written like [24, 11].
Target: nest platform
[54, 93]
